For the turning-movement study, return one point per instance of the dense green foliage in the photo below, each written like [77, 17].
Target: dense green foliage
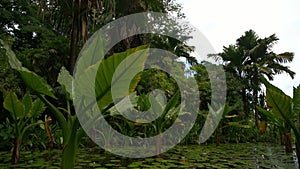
[40, 42]
[250, 58]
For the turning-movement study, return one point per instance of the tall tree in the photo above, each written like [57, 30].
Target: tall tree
[250, 58]
[76, 19]
[80, 19]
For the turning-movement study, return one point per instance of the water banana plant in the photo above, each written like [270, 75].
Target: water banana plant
[24, 115]
[71, 129]
[284, 108]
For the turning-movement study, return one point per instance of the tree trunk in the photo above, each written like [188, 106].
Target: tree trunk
[281, 139]
[245, 103]
[218, 141]
[256, 118]
[93, 134]
[74, 36]
[255, 89]
[255, 109]
[288, 142]
[16, 151]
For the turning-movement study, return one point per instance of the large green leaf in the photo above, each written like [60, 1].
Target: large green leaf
[270, 86]
[277, 120]
[14, 106]
[124, 105]
[12, 59]
[296, 101]
[157, 103]
[172, 103]
[282, 105]
[37, 108]
[36, 83]
[296, 105]
[270, 116]
[32, 80]
[278, 102]
[109, 74]
[27, 102]
[65, 80]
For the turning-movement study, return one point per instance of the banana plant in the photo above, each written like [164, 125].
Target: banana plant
[71, 130]
[24, 114]
[69, 123]
[285, 108]
[225, 110]
[283, 128]
[140, 125]
[168, 115]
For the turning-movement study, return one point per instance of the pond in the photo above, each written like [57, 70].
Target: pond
[247, 155]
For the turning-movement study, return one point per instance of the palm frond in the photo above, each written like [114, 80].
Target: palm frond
[285, 57]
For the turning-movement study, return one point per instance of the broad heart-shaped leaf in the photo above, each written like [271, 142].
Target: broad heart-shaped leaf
[296, 105]
[296, 101]
[279, 103]
[36, 83]
[37, 108]
[124, 105]
[107, 70]
[277, 120]
[65, 80]
[282, 105]
[296, 110]
[32, 80]
[270, 116]
[27, 102]
[269, 85]
[172, 103]
[157, 103]
[14, 106]
[12, 59]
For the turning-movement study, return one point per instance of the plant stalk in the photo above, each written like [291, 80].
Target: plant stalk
[16, 151]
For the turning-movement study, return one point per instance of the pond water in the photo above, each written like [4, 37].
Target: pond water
[194, 156]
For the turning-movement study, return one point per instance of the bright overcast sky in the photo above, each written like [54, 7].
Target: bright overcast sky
[224, 21]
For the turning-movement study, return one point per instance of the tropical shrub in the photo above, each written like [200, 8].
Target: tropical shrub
[24, 113]
[71, 130]
[284, 109]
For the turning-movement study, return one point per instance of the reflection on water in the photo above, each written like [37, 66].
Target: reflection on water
[276, 157]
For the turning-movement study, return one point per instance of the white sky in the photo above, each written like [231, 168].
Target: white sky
[224, 21]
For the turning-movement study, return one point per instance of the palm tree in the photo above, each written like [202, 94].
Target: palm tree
[250, 58]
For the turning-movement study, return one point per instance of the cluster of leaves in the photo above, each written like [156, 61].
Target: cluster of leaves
[47, 35]
[245, 62]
